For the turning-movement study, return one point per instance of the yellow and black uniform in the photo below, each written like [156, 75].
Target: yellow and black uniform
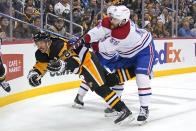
[2, 71]
[125, 74]
[3, 83]
[89, 66]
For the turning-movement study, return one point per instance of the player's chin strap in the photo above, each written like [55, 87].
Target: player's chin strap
[66, 52]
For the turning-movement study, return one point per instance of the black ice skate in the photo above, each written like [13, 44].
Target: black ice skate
[5, 85]
[143, 115]
[125, 113]
[78, 103]
[110, 112]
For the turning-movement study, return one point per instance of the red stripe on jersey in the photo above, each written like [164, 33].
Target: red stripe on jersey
[144, 88]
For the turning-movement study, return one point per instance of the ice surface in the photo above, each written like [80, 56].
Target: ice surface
[173, 108]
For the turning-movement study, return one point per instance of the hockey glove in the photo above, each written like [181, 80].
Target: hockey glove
[33, 78]
[72, 65]
[73, 40]
[58, 66]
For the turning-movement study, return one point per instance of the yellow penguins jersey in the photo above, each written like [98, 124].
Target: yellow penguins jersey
[56, 49]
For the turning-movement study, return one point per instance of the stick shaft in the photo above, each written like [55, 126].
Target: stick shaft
[46, 30]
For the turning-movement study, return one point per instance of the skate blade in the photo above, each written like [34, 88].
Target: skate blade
[126, 121]
[113, 114]
[77, 106]
[140, 123]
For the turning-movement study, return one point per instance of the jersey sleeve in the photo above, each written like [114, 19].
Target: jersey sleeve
[100, 31]
[41, 62]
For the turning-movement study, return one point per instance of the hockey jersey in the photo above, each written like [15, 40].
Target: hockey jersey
[126, 40]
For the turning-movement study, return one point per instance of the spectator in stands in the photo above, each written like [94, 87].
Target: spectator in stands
[18, 5]
[154, 22]
[185, 30]
[58, 27]
[29, 3]
[157, 12]
[30, 13]
[164, 16]
[86, 19]
[147, 17]
[160, 31]
[135, 19]
[22, 31]
[4, 6]
[167, 3]
[194, 29]
[77, 20]
[191, 22]
[4, 28]
[137, 6]
[62, 7]
[36, 22]
[91, 7]
[50, 18]
[193, 10]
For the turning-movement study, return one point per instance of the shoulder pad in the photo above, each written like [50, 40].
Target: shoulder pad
[106, 22]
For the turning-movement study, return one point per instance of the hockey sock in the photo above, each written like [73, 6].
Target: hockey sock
[83, 89]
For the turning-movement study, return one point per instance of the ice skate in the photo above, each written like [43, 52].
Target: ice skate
[143, 115]
[109, 112]
[124, 114]
[78, 103]
[5, 85]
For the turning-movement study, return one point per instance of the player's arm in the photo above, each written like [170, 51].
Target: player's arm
[99, 32]
[70, 63]
[38, 69]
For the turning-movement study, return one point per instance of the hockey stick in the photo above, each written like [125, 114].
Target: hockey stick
[66, 52]
[46, 30]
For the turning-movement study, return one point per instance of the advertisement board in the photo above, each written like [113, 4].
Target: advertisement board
[173, 56]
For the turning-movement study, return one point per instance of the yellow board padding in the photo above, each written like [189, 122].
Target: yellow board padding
[37, 92]
[70, 85]
[174, 71]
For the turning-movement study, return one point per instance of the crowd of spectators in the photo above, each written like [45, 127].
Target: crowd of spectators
[159, 17]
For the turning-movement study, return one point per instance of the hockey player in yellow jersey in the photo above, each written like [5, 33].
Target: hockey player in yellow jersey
[82, 62]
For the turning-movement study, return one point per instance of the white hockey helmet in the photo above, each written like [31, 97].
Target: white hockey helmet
[110, 10]
[121, 12]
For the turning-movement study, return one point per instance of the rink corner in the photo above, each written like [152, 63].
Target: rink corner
[37, 92]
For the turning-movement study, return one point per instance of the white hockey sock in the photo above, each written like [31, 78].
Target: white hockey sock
[118, 89]
[144, 89]
[83, 89]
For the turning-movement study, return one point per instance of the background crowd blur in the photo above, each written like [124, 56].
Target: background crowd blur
[163, 18]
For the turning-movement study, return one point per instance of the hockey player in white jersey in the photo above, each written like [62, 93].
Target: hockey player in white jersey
[135, 47]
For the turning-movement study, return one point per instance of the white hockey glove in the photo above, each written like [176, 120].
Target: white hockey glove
[33, 78]
[58, 66]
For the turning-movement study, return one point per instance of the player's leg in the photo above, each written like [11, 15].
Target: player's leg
[94, 75]
[4, 84]
[109, 112]
[143, 70]
[82, 90]
[123, 75]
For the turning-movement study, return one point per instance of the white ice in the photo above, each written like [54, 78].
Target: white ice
[173, 108]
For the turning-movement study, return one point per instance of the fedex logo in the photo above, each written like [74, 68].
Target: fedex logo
[168, 54]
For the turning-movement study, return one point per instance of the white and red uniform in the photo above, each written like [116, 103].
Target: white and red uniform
[135, 46]
[127, 40]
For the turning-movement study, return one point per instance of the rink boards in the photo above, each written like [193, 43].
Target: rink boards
[173, 56]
